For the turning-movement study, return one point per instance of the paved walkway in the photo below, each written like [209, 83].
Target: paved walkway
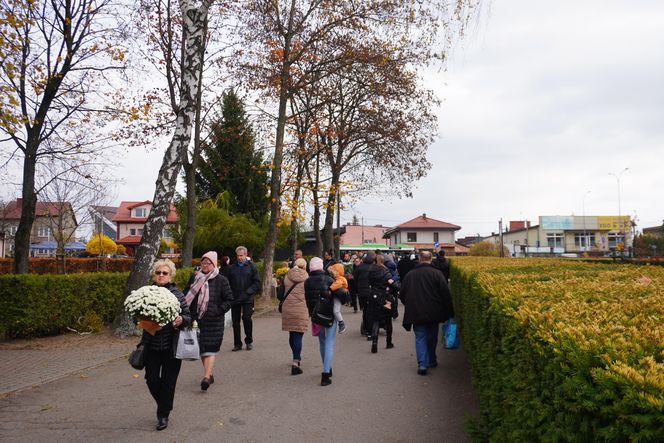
[90, 394]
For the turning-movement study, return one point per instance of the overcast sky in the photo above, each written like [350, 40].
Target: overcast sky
[540, 103]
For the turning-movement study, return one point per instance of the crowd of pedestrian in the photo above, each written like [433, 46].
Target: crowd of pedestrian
[313, 294]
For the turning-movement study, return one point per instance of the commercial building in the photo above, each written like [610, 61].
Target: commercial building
[573, 235]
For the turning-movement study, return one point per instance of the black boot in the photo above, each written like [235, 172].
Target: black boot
[390, 345]
[162, 423]
[374, 346]
[295, 369]
[325, 379]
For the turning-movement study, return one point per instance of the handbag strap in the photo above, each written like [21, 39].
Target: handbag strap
[289, 291]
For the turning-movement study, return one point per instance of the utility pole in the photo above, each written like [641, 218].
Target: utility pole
[337, 238]
[500, 236]
[583, 212]
[362, 229]
[620, 221]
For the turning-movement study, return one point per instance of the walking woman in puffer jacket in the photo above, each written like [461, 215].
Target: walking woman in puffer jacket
[209, 297]
[315, 286]
[161, 366]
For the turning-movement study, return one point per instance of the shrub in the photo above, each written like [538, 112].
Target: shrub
[72, 265]
[34, 305]
[486, 249]
[563, 350]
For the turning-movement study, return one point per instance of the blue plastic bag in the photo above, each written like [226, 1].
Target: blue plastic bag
[450, 334]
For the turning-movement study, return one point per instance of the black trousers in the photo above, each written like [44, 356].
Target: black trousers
[375, 326]
[161, 375]
[242, 311]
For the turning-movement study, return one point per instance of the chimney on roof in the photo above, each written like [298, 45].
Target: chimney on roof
[516, 225]
[424, 215]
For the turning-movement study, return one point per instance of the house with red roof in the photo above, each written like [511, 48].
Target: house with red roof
[423, 233]
[130, 220]
[52, 220]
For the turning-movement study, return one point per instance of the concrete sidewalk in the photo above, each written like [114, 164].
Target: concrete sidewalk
[373, 397]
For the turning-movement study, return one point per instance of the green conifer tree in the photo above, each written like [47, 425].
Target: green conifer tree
[230, 162]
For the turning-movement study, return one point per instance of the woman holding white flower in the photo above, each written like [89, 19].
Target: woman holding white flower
[209, 297]
[161, 366]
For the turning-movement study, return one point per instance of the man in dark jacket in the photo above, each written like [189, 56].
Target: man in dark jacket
[442, 264]
[244, 280]
[427, 301]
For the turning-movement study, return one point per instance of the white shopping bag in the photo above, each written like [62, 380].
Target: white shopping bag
[188, 345]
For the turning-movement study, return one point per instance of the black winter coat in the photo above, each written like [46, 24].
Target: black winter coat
[244, 281]
[426, 296]
[442, 265]
[166, 338]
[212, 324]
[361, 277]
[404, 266]
[380, 292]
[318, 281]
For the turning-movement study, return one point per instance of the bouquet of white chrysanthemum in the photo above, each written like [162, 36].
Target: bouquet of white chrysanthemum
[153, 306]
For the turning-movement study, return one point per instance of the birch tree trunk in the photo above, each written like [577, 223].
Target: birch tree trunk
[194, 19]
[190, 168]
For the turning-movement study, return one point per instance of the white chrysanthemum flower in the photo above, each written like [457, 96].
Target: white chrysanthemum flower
[153, 303]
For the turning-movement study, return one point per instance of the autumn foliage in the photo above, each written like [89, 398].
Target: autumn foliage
[563, 350]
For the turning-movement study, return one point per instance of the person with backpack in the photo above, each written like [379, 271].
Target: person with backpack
[317, 293]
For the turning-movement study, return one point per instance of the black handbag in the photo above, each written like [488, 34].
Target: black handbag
[323, 313]
[282, 300]
[137, 356]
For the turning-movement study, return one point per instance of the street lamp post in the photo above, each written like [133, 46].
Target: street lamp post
[583, 212]
[618, 176]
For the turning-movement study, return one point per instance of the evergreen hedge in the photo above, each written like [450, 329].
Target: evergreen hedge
[563, 351]
[37, 305]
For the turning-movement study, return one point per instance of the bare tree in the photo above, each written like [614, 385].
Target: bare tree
[54, 57]
[69, 191]
[277, 34]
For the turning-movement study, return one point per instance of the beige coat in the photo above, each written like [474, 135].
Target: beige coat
[294, 314]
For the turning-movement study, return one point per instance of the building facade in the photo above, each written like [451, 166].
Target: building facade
[423, 233]
[573, 235]
[53, 221]
[102, 220]
[130, 220]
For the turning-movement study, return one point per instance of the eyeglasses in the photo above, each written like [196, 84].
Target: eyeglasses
[162, 273]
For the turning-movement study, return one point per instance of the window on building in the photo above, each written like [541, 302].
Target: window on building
[140, 212]
[584, 241]
[12, 230]
[435, 237]
[132, 231]
[555, 239]
[615, 238]
[43, 231]
[411, 237]
[140, 232]
[516, 242]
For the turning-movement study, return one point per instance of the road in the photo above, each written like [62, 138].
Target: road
[373, 397]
